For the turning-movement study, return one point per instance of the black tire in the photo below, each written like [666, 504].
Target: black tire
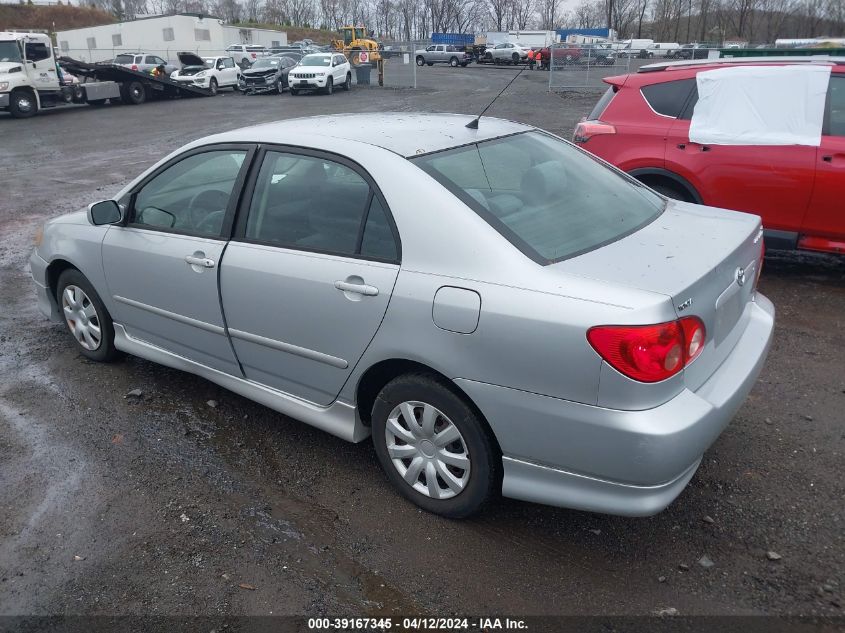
[106, 350]
[212, 86]
[485, 461]
[329, 89]
[420, 60]
[22, 104]
[133, 93]
[429, 63]
[675, 192]
[293, 92]
[280, 86]
[515, 58]
[97, 103]
[453, 62]
[347, 85]
[488, 57]
[464, 64]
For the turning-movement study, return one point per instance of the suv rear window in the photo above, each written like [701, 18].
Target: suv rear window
[602, 104]
[549, 199]
[124, 59]
[668, 98]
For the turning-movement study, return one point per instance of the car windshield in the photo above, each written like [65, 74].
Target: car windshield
[316, 60]
[10, 52]
[548, 198]
[267, 62]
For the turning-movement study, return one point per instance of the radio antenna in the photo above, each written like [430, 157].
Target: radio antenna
[473, 125]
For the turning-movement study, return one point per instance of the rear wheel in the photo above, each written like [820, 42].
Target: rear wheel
[133, 93]
[675, 192]
[86, 317]
[430, 63]
[22, 104]
[453, 62]
[515, 58]
[433, 446]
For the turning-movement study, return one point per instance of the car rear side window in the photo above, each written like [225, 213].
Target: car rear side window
[668, 98]
[549, 199]
[312, 203]
[602, 104]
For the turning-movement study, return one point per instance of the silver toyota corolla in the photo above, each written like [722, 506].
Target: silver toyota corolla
[498, 309]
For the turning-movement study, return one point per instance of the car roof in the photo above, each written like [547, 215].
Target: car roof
[780, 60]
[406, 134]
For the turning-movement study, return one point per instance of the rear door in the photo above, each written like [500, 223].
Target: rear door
[774, 182]
[161, 267]
[826, 215]
[309, 273]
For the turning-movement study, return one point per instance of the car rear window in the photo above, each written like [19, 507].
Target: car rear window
[668, 98]
[549, 199]
[124, 59]
[602, 104]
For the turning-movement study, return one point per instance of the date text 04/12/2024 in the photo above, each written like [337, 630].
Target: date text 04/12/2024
[415, 624]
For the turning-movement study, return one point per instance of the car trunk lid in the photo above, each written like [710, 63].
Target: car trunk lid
[705, 260]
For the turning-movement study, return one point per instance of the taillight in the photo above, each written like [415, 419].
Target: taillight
[134, 67]
[649, 353]
[585, 130]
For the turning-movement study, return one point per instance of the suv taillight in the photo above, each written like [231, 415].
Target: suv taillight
[134, 67]
[649, 353]
[585, 130]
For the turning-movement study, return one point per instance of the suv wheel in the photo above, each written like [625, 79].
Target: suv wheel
[515, 58]
[453, 62]
[433, 446]
[347, 85]
[329, 89]
[212, 86]
[420, 60]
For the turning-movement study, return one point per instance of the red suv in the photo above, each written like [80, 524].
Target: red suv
[642, 125]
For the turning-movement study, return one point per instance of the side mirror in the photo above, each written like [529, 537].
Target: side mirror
[104, 212]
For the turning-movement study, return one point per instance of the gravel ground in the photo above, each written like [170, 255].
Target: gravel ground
[163, 504]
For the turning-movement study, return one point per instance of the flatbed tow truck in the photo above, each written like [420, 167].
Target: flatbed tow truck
[32, 79]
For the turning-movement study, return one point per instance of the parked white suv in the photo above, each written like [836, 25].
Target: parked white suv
[320, 71]
[507, 52]
[245, 54]
[207, 72]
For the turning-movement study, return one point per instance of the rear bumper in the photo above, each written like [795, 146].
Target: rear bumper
[633, 463]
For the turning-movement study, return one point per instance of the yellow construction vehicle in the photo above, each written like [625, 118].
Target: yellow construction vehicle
[355, 41]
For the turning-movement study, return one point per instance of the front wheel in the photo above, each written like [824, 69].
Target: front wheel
[434, 448]
[420, 60]
[347, 85]
[22, 104]
[329, 89]
[293, 92]
[86, 317]
[212, 86]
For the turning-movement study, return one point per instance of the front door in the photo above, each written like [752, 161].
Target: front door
[826, 215]
[161, 267]
[307, 278]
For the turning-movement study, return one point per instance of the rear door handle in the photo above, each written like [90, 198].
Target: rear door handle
[361, 289]
[827, 159]
[194, 260]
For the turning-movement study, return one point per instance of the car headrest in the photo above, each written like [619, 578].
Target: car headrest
[543, 182]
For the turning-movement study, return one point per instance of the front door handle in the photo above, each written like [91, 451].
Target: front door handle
[827, 159]
[195, 260]
[361, 289]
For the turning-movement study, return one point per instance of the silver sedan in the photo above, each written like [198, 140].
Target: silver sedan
[501, 311]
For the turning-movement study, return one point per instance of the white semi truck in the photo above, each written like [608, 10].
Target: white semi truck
[32, 79]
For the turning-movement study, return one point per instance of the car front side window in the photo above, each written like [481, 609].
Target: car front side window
[190, 196]
[312, 203]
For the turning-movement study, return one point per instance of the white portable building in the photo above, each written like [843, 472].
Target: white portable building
[162, 35]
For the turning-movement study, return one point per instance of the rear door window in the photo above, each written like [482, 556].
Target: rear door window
[835, 112]
[668, 98]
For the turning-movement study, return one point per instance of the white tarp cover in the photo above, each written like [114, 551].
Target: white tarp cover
[762, 105]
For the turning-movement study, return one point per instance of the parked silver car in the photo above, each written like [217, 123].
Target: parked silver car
[499, 309]
[442, 54]
[143, 62]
